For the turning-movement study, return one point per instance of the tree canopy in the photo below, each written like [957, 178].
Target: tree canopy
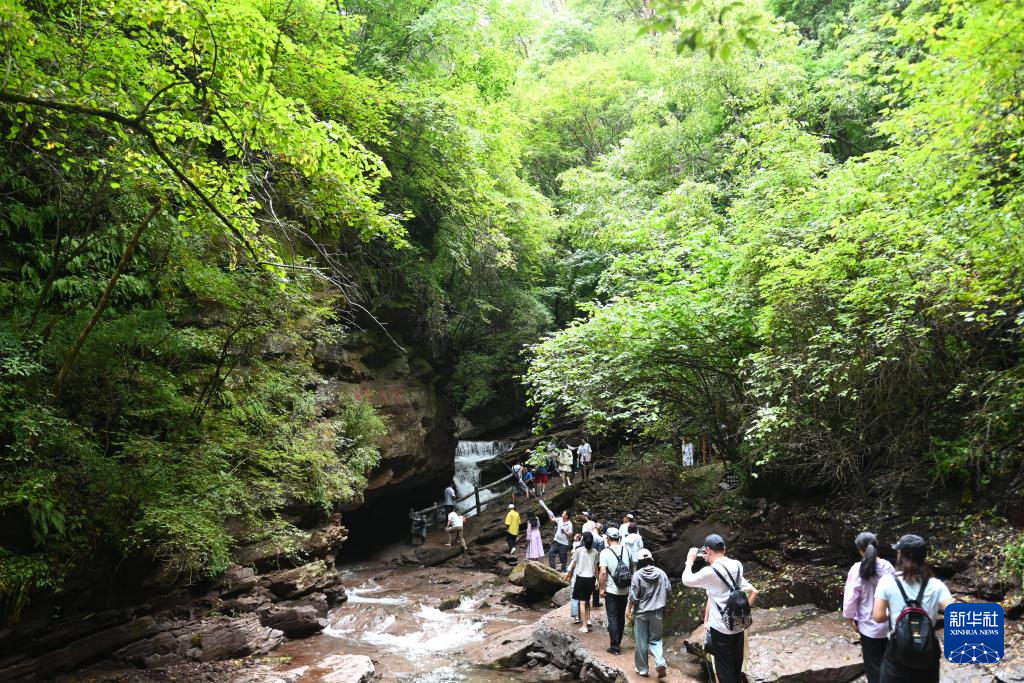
[792, 226]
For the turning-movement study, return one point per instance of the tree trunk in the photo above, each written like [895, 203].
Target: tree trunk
[101, 305]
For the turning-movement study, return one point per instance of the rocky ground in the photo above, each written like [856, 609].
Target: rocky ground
[796, 553]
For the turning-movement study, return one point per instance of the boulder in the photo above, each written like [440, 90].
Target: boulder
[562, 597]
[289, 584]
[537, 578]
[296, 621]
[346, 669]
[235, 581]
[504, 649]
[432, 555]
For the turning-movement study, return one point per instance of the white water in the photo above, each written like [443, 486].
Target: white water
[435, 632]
[469, 456]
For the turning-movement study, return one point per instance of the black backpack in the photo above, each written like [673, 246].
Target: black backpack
[736, 613]
[913, 641]
[621, 577]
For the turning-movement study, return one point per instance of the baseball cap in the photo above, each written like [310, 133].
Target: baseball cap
[511, 506]
[644, 554]
[586, 514]
[629, 515]
[910, 542]
[714, 542]
[612, 533]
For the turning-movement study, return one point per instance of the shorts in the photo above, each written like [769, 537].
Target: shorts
[583, 588]
[542, 478]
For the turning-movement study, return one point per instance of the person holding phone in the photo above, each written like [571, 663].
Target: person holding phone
[720, 579]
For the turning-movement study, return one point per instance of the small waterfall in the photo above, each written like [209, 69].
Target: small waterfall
[469, 456]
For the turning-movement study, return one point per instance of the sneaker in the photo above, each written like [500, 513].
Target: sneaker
[447, 545]
[644, 674]
[513, 551]
[576, 620]
[662, 672]
[613, 650]
[584, 629]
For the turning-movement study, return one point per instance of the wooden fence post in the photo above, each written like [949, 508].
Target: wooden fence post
[476, 497]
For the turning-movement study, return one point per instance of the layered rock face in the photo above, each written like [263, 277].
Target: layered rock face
[405, 388]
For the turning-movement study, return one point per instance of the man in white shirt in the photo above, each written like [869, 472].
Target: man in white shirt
[455, 524]
[726, 644]
[585, 454]
[563, 537]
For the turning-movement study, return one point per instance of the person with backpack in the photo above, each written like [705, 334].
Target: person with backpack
[633, 541]
[730, 597]
[648, 595]
[614, 585]
[910, 600]
[859, 603]
[583, 569]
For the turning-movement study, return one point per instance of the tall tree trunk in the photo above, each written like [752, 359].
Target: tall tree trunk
[101, 305]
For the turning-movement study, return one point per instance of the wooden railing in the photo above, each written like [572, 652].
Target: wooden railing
[436, 515]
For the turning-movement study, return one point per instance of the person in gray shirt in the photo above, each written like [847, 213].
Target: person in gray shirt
[648, 595]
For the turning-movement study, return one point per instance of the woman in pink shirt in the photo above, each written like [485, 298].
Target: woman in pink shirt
[859, 600]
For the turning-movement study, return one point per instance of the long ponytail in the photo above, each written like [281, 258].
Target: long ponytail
[867, 544]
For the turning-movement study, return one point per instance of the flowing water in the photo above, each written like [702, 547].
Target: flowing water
[470, 456]
[393, 616]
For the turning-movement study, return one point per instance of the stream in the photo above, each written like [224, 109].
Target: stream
[394, 616]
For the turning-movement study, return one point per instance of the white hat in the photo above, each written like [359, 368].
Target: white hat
[644, 554]
[511, 506]
[613, 533]
[629, 515]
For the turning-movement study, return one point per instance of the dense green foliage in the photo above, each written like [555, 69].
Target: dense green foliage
[812, 250]
[793, 226]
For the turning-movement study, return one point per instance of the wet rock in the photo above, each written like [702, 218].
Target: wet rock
[432, 555]
[347, 669]
[537, 578]
[296, 621]
[289, 584]
[503, 650]
[244, 604]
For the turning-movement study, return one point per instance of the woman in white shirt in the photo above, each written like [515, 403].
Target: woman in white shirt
[584, 568]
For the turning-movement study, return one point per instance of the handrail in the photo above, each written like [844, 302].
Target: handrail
[421, 519]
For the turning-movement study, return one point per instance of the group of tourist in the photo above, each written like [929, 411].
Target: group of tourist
[530, 476]
[605, 562]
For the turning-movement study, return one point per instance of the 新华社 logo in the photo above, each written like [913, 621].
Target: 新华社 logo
[973, 633]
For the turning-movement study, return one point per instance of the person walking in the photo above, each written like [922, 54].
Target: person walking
[534, 544]
[627, 519]
[565, 466]
[518, 486]
[585, 455]
[720, 579]
[455, 525]
[542, 478]
[645, 604]
[528, 480]
[913, 582]
[859, 603]
[633, 541]
[599, 544]
[614, 590]
[574, 604]
[563, 537]
[512, 522]
[584, 569]
[449, 499]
